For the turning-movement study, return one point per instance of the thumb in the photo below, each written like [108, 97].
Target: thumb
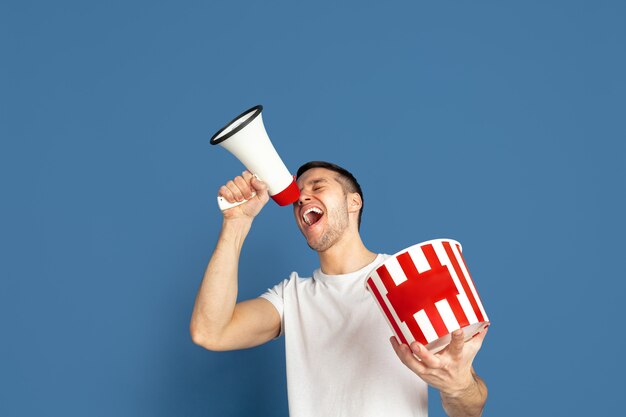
[457, 342]
[260, 187]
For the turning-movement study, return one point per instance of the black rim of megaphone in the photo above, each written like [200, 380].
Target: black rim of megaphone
[257, 110]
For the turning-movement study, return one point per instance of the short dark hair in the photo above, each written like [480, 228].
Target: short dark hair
[347, 180]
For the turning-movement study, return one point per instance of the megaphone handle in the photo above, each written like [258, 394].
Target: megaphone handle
[225, 205]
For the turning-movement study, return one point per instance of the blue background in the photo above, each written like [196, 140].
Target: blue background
[499, 124]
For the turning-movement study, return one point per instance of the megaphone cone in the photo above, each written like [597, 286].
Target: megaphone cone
[246, 138]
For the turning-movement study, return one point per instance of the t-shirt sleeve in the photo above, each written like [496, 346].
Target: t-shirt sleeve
[276, 296]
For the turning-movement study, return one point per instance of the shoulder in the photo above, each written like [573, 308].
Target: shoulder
[296, 279]
[380, 258]
[293, 280]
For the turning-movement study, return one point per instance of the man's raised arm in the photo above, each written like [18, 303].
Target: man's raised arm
[218, 322]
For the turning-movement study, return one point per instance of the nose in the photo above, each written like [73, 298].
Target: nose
[304, 198]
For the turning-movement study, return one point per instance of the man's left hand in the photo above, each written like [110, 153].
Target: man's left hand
[450, 370]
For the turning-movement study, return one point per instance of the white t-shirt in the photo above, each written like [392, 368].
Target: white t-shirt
[339, 359]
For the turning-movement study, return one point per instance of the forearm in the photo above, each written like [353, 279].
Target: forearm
[468, 402]
[217, 295]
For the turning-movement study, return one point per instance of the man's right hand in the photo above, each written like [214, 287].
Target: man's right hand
[241, 188]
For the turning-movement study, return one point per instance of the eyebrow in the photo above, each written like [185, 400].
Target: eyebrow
[315, 181]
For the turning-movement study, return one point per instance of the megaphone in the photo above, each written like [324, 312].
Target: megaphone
[246, 138]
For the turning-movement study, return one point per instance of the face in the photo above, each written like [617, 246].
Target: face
[322, 210]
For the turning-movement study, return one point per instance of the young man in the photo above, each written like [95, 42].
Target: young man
[339, 362]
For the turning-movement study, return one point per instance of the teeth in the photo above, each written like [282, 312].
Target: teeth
[309, 210]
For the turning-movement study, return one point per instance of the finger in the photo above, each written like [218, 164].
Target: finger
[394, 342]
[226, 193]
[247, 175]
[429, 359]
[232, 187]
[261, 189]
[258, 185]
[406, 356]
[473, 345]
[244, 186]
[455, 348]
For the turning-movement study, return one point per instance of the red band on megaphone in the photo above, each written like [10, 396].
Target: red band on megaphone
[289, 195]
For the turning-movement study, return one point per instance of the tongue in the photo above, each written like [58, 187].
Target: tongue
[313, 217]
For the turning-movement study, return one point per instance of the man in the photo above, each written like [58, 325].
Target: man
[338, 361]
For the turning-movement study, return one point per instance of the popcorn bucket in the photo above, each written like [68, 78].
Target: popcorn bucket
[426, 292]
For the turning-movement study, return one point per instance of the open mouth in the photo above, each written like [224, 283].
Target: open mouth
[312, 215]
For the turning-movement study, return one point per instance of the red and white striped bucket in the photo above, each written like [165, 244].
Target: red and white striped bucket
[426, 292]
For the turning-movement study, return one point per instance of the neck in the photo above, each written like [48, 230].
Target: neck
[345, 256]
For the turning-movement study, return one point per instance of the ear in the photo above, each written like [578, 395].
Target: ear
[354, 202]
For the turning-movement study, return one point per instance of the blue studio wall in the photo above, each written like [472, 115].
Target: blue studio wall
[499, 124]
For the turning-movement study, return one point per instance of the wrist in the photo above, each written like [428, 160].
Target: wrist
[237, 227]
[237, 222]
[462, 389]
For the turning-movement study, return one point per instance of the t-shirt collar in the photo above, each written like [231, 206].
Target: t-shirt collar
[320, 276]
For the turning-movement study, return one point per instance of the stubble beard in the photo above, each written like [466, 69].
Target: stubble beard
[337, 224]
